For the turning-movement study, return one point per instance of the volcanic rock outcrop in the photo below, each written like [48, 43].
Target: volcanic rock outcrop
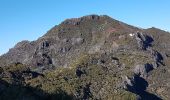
[92, 57]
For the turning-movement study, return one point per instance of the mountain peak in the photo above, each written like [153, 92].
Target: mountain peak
[93, 53]
[77, 21]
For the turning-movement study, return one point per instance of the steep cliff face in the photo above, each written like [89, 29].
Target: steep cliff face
[97, 57]
[67, 40]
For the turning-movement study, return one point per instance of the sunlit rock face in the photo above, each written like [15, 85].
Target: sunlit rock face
[92, 57]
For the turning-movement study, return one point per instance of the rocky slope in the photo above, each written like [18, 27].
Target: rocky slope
[92, 57]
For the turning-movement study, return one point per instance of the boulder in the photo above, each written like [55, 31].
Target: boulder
[115, 61]
[142, 70]
[79, 72]
[158, 58]
[77, 41]
[64, 49]
[144, 41]
[127, 82]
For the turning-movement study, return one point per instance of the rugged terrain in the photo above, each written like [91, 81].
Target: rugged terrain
[92, 57]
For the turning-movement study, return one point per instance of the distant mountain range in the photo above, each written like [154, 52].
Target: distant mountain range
[92, 57]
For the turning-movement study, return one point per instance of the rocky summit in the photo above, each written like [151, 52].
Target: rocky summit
[89, 58]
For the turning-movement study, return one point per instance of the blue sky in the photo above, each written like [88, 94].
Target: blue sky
[30, 19]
